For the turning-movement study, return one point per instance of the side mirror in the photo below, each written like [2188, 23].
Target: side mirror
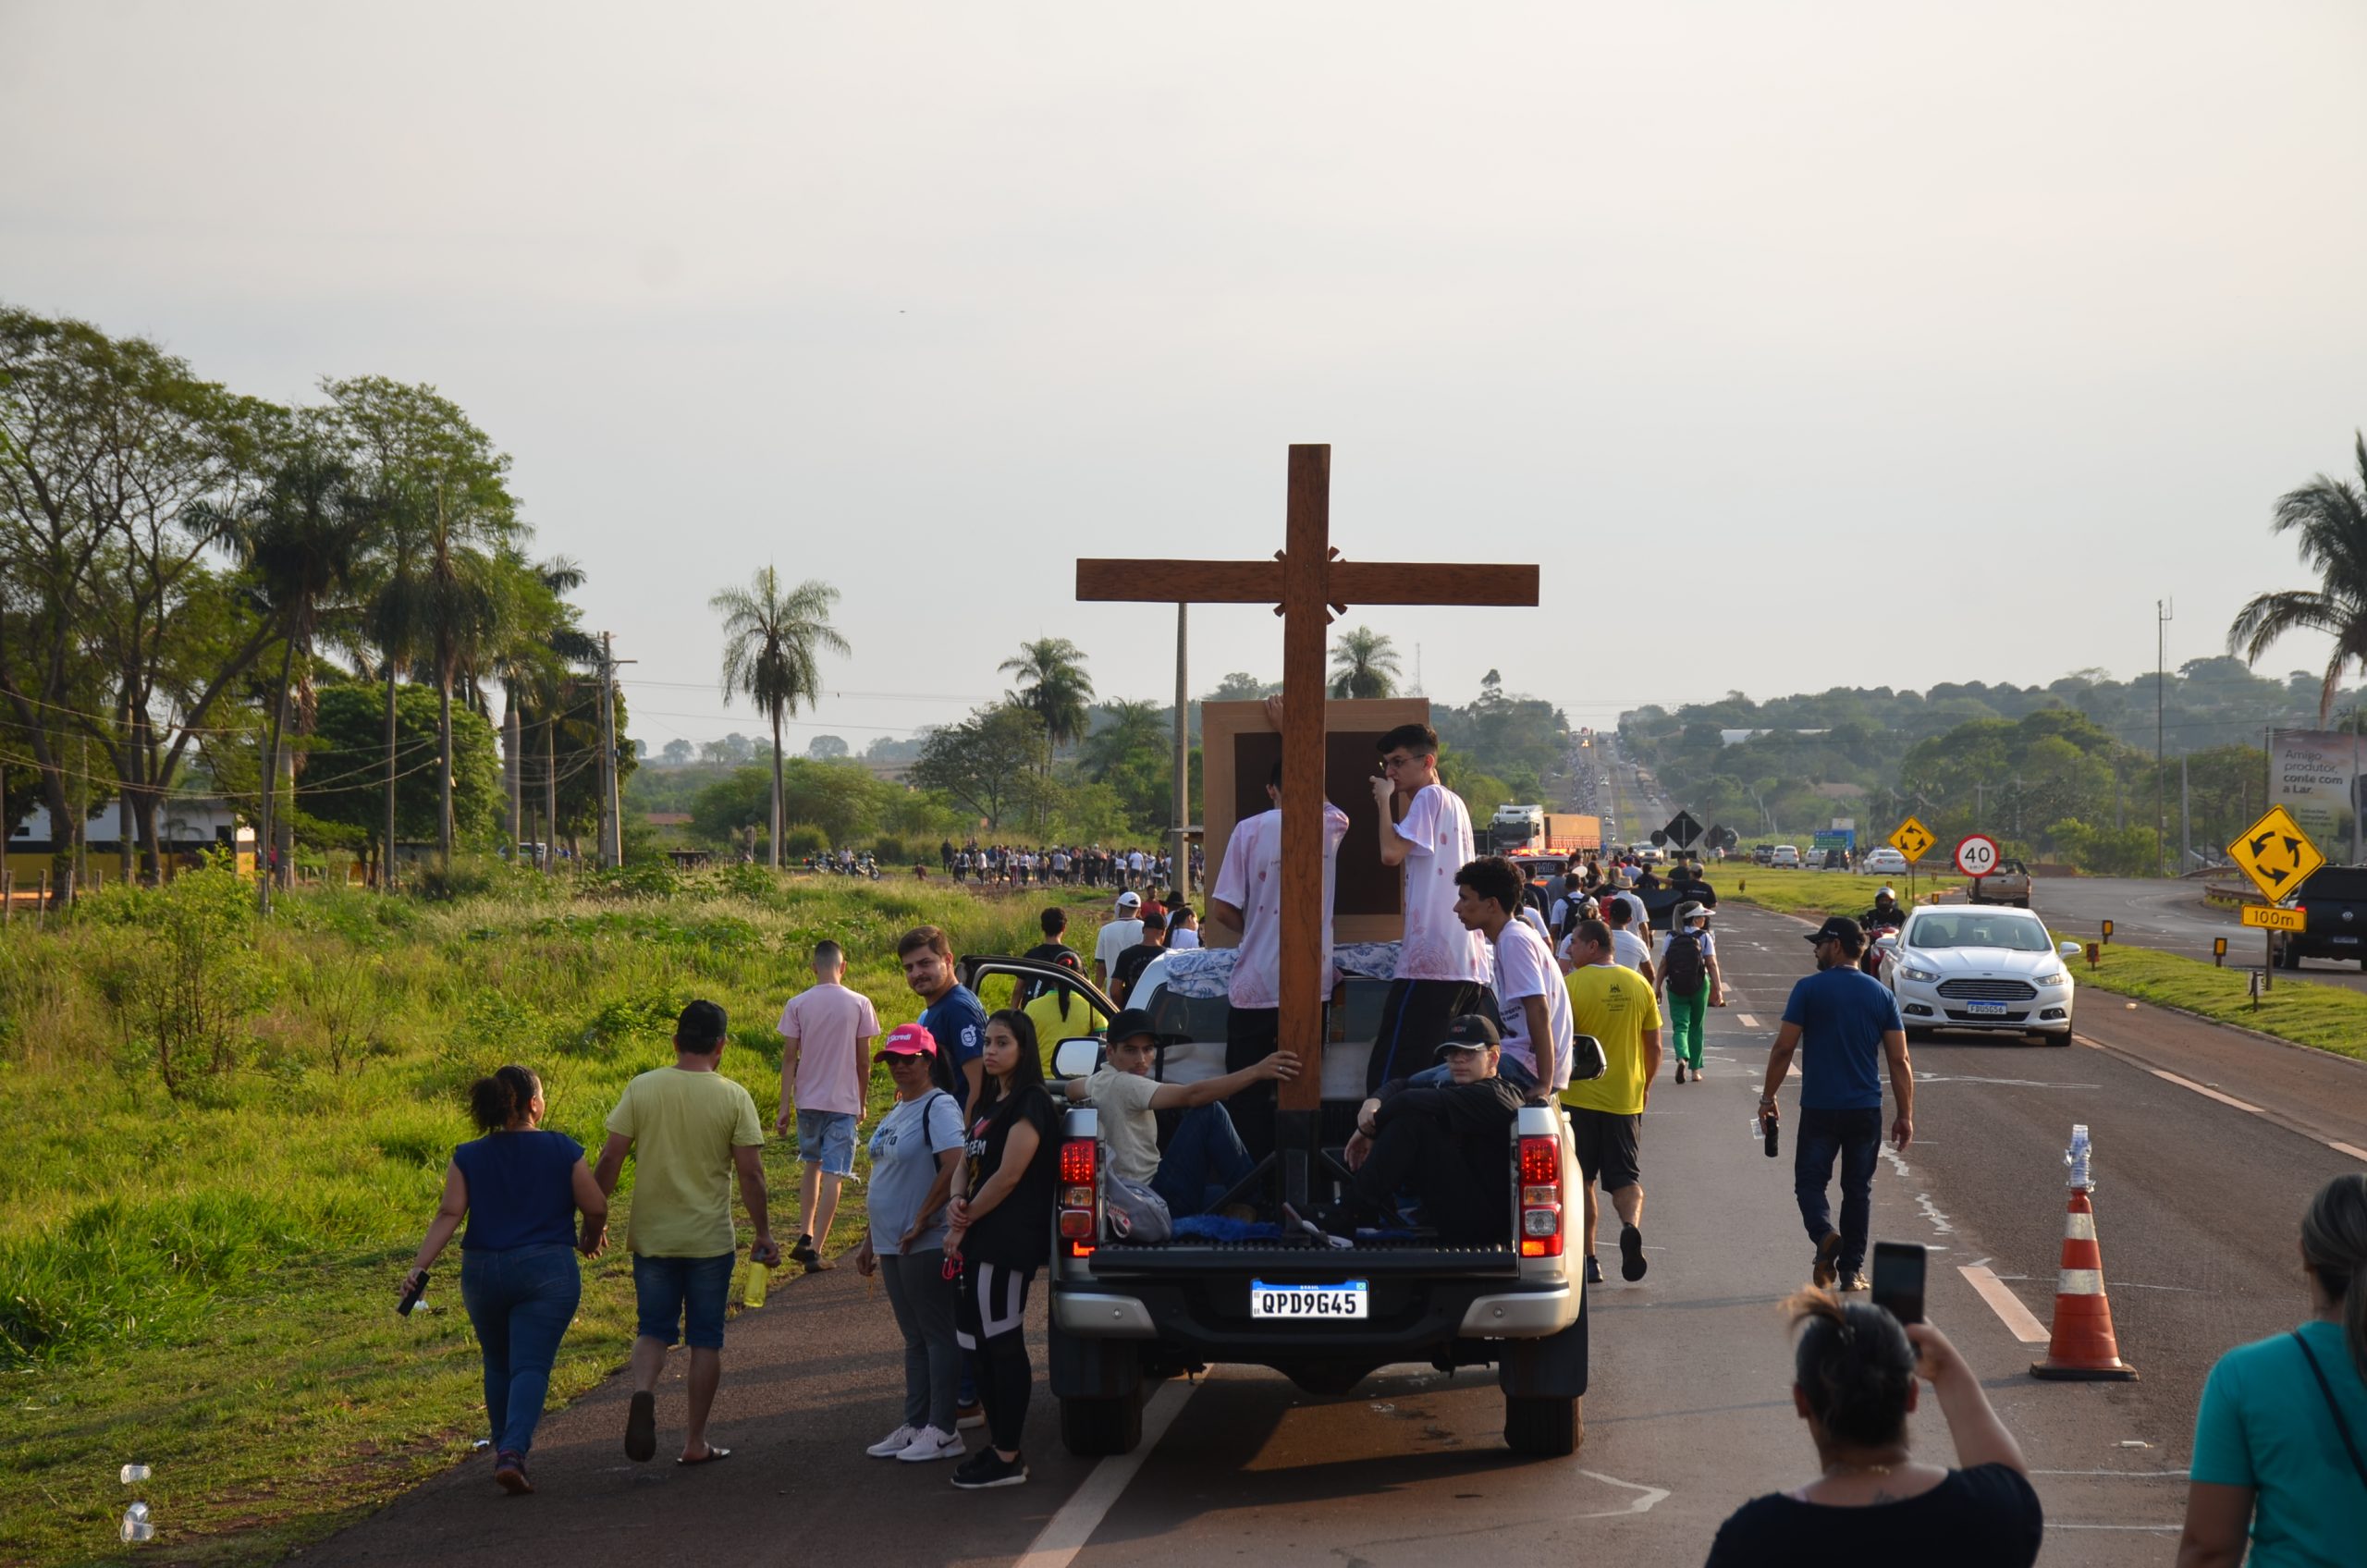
[1885, 944]
[2070, 949]
[1077, 1058]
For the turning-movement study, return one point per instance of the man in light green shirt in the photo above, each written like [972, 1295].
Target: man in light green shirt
[687, 1128]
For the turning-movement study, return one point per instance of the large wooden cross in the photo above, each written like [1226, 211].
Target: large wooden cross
[1305, 581]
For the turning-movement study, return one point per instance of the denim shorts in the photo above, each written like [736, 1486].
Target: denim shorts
[826, 1137]
[684, 1294]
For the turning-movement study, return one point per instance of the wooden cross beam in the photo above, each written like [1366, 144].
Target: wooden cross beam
[1305, 581]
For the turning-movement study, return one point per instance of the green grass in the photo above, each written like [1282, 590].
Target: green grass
[1816, 894]
[203, 1283]
[2329, 1018]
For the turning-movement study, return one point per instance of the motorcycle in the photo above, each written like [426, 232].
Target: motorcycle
[1870, 960]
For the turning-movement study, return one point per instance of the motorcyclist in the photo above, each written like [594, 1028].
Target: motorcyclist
[1885, 913]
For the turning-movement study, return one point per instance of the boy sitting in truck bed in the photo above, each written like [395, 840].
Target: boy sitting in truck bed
[1447, 1145]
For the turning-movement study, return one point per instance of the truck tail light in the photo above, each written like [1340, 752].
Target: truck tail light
[1079, 1195]
[1540, 1198]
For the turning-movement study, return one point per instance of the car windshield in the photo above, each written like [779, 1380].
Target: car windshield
[1982, 929]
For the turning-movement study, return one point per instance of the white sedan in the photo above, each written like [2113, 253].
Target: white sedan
[1980, 967]
[1885, 862]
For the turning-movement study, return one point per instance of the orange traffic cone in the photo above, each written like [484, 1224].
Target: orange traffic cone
[2083, 1348]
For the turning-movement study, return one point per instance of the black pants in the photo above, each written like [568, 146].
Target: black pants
[1416, 1153]
[1413, 1022]
[1251, 1035]
[1855, 1137]
[990, 1325]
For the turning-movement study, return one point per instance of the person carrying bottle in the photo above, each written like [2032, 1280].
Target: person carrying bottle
[520, 1189]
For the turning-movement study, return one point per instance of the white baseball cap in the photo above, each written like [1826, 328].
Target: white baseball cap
[1130, 900]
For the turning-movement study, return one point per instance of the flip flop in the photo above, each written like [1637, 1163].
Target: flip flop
[713, 1454]
[640, 1428]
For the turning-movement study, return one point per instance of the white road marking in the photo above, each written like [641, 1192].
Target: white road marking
[1746, 1021]
[2017, 1319]
[2208, 1094]
[1641, 1505]
[2346, 1148]
[1065, 1533]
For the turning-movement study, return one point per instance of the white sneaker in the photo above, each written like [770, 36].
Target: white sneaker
[929, 1444]
[893, 1445]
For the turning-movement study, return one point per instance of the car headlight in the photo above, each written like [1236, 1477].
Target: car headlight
[1911, 973]
[2060, 977]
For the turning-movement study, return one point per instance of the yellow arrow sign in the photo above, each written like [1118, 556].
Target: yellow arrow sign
[2268, 917]
[1913, 839]
[2275, 854]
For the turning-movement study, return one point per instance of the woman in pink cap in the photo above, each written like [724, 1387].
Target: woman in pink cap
[915, 1150]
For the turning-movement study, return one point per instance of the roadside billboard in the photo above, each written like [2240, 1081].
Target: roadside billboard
[2314, 773]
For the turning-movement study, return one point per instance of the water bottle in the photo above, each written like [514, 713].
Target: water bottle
[136, 1527]
[134, 1473]
[1768, 1124]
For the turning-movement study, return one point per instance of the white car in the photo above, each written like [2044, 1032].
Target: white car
[1785, 855]
[1958, 966]
[1885, 862]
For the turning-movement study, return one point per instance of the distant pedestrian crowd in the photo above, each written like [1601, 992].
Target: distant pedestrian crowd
[1059, 865]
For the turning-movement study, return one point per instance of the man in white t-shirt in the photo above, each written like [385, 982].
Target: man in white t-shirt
[1532, 1003]
[1206, 1157]
[1116, 937]
[1628, 946]
[1248, 897]
[1426, 830]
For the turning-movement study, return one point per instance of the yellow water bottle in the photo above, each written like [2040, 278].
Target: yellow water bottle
[752, 1293]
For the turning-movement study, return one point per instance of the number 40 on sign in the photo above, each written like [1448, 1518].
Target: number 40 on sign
[1977, 854]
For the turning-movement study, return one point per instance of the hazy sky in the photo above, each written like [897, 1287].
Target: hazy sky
[1771, 332]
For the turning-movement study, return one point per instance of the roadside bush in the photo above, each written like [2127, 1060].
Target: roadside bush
[180, 998]
[803, 839]
[892, 851]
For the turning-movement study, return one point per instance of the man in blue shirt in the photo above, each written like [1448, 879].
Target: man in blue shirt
[951, 1011]
[1851, 1022]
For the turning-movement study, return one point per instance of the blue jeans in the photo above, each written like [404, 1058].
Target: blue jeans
[1203, 1161]
[1857, 1137]
[521, 1301]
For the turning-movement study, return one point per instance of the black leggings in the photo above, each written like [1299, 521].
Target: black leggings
[991, 1324]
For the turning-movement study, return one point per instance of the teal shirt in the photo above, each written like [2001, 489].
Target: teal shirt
[2263, 1424]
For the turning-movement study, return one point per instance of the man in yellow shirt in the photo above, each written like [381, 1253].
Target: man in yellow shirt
[1616, 1005]
[687, 1128]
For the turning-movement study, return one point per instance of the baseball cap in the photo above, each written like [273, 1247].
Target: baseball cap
[1129, 1021]
[1130, 900]
[905, 1039]
[1839, 929]
[1470, 1032]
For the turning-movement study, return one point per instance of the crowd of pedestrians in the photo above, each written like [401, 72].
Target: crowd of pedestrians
[1061, 866]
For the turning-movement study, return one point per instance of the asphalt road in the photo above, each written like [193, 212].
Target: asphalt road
[1688, 1415]
[2169, 915]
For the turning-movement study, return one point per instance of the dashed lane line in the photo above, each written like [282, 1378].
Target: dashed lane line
[2207, 1093]
[1746, 1021]
[1065, 1533]
[2018, 1319]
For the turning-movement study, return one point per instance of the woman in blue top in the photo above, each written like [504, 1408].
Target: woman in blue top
[520, 1189]
[2280, 1441]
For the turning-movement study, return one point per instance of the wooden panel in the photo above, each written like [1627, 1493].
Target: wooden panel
[1168, 582]
[1431, 583]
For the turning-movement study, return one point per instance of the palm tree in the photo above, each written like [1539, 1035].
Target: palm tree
[544, 645]
[2330, 515]
[1364, 664]
[1054, 687]
[770, 639]
[1129, 729]
[304, 541]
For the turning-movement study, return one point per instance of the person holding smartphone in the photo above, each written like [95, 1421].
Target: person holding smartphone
[1853, 1384]
[520, 1189]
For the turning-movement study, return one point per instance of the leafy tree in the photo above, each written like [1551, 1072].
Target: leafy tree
[340, 793]
[1131, 751]
[2330, 516]
[980, 764]
[677, 753]
[1242, 687]
[826, 747]
[1053, 686]
[772, 641]
[1364, 664]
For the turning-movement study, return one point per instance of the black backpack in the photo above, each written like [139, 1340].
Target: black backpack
[1683, 965]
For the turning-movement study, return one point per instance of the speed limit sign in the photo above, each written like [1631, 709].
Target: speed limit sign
[1977, 854]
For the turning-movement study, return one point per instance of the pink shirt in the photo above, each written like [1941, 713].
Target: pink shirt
[1251, 880]
[830, 1024]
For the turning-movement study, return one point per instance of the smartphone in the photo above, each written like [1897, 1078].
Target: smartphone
[1898, 1280]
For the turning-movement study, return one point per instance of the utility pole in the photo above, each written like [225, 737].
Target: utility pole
[612, 822]
[1182, 875]
[2186, 820]
[2162, 608]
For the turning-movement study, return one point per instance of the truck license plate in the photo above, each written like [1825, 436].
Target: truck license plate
[1346, 1299]
[1986, 1010]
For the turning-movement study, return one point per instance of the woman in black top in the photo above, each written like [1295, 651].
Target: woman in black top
[1853, 1383]
[1000, 1229]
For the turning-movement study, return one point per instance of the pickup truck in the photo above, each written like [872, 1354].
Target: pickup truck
[2009, 883]
[2334, 900]
[1125, 1315]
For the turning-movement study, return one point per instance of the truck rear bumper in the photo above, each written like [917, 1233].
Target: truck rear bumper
[1522, 1315]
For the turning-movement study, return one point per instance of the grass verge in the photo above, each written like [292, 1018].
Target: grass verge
[200, 1281]
[2327, 1018]
[1816, 894]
